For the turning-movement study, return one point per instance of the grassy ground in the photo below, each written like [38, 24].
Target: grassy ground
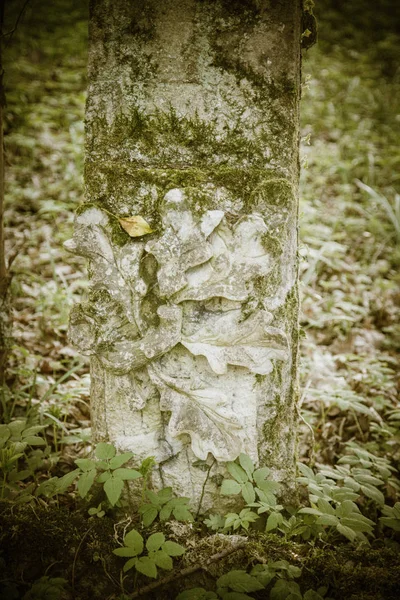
[350, 249]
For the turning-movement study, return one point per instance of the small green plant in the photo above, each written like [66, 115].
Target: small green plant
[16, 441]
[265, 573]
[159, 553]
[231, 586]
[242, 519]
[164, 505]
[237, 584]
[256, 490]
[46, 588]
[391, 516]
[107, 470]
[56, 485]
[97, 510]
[249, 482]
[346, 518]
[215, 522]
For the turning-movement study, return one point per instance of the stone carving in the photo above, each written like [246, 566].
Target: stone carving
[176, 311]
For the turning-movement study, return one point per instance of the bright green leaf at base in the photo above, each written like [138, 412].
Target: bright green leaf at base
[113, 488]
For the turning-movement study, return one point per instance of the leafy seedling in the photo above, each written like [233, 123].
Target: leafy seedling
[159, 553]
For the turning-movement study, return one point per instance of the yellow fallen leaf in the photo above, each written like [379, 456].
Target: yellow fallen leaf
[135, 226]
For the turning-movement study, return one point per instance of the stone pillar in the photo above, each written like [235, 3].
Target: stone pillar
[190, 228]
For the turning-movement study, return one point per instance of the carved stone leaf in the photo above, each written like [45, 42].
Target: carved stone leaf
[203, 414]
[134, 354]
[250, 343]
[183, 244]
[238, 256]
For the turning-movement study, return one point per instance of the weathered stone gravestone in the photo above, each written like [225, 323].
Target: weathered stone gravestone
[190, 228]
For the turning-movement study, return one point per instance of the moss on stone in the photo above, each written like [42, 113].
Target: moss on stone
[271, 244]
[254, 188]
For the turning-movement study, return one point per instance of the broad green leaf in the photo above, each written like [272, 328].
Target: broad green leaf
[126, 474]
[103, 464]
[34, 440]
[368, 479]
[103, 477]
[182, 513]
[230, 518]
[5, 433]
[310, 511]
[344, 493]
[104, 451]
[163, 560]
[133, 539]
[32, 431]
[135, 226]
[85, 482]
[347, 508]
[247, 464]
[347, 532]
[119, 460]
[351, 483]
[129, 564]
[260, 476]
[330, 520]
[19, 475]
[147, 566]
[180, 500]
[266, 497]
[237, 472]
[248, 492]
[125, 552]
[165, 494]
[16, 427]
[155, 541]
[312, 595]
[113, 488]
[357, 525]
[230, 487]
[374, 494]
[306, 471]
[391, 522]
[325, 507]
[165, 513]
[284, 589]
[154, 498]
[239, 581]
[263, 573]
[293, 571]
[85, 464]
[269, 487]
[149, 513]
[66, 480]
[173, 549]
[274, 520]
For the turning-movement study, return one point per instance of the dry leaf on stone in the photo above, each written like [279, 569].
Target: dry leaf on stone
[135, 226]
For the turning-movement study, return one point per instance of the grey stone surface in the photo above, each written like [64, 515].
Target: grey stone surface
[192, 125]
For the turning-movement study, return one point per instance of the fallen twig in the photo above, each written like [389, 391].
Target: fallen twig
[186, 571]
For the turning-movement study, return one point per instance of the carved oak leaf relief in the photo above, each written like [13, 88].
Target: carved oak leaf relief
[183, 244]
[229, 341]
[203, 414]
[238, 257]
[203, 270]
